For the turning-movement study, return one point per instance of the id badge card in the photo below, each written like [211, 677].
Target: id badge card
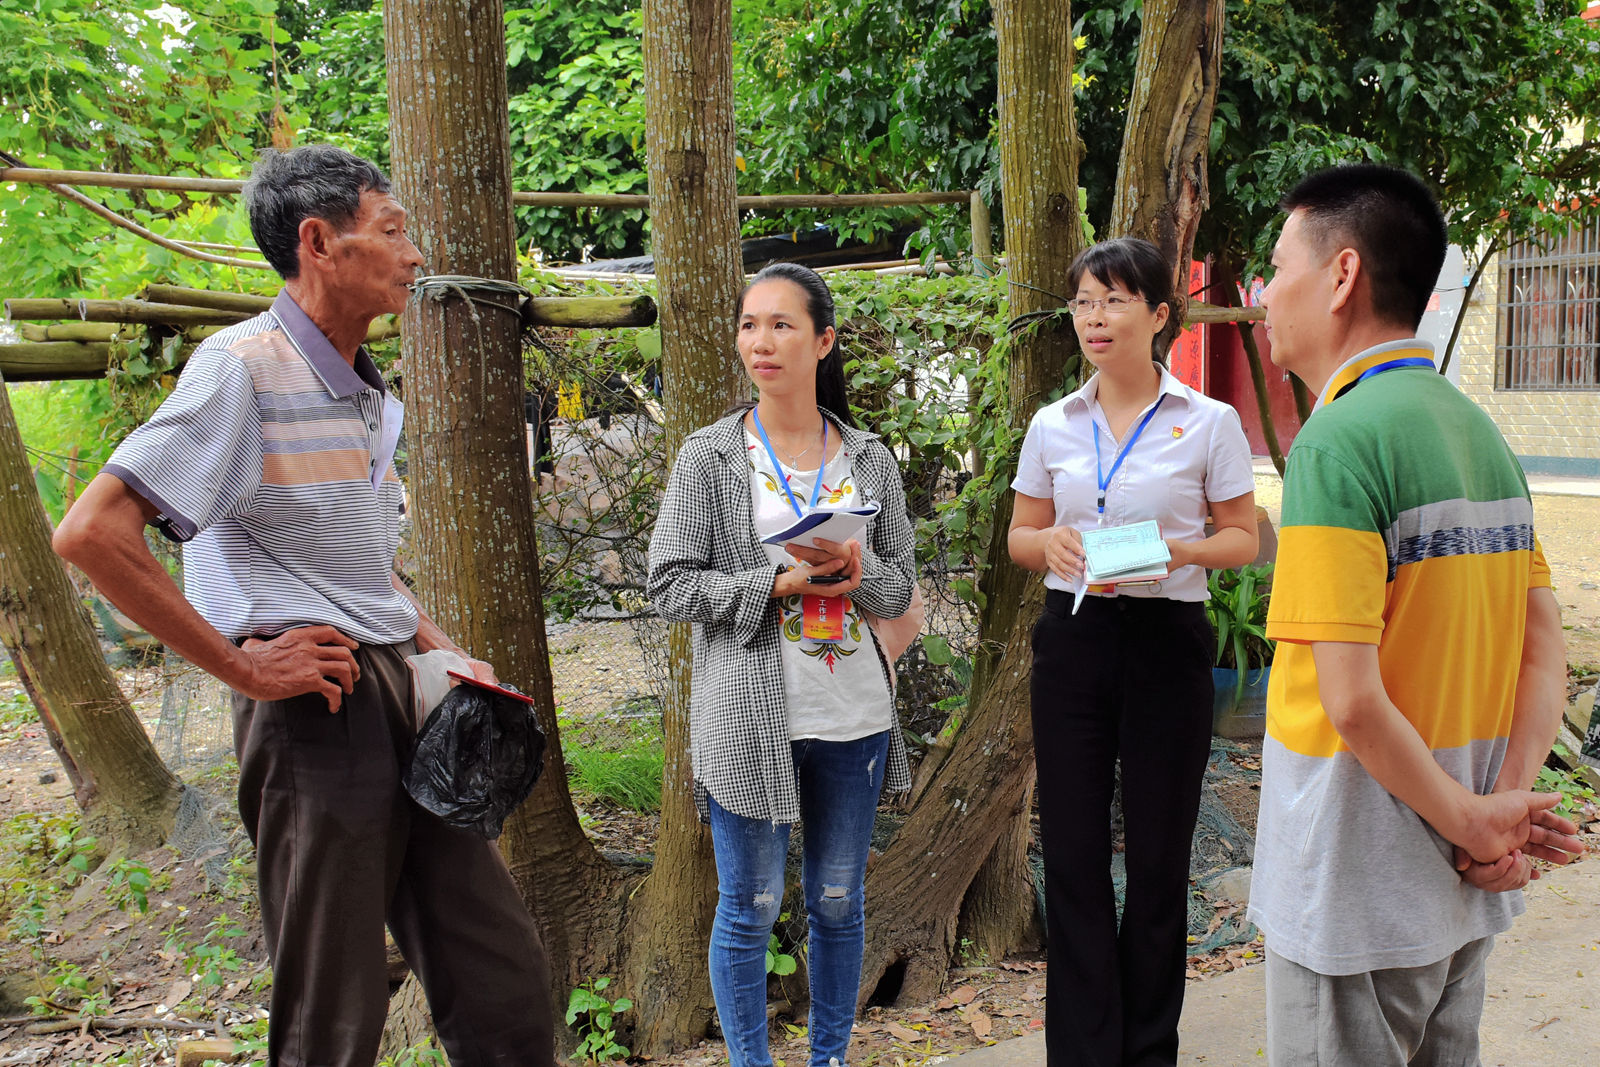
[823, 617]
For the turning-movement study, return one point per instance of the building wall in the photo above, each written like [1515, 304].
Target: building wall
[1551, 433]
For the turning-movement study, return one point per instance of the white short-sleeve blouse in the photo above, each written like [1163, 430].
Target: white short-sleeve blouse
[1193, 451]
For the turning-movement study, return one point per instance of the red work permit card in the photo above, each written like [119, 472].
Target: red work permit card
[824, 617]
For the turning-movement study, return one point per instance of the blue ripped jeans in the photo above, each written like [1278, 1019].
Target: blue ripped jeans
[839, 784]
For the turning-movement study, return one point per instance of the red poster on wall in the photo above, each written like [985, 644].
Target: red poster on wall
[1188, 356]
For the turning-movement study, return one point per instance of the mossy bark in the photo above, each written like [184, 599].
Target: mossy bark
[126, 792]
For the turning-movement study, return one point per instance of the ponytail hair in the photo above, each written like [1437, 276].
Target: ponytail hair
[831, 393]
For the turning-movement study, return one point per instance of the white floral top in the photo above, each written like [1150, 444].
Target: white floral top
[834, 685]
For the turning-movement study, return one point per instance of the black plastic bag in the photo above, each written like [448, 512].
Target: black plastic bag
[477, 757]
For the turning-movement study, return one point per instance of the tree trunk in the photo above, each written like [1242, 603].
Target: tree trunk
[1000, 916]
[478, 572]
[915, 892]
[689, 138]
[1044, 233]
[126, 792]
[1161, 193]
[1466, 302]
[410, 1023]
[1161, 175]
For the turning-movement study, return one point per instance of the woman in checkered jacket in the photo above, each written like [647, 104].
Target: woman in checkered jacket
[791, 709]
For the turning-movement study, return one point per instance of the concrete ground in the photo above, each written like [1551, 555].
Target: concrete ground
[1542, 1007]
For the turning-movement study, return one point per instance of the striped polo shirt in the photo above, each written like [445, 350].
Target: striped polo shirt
[263, 462]
[1407, 525]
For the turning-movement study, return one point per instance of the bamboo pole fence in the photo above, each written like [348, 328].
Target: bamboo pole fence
[76, 343]
[76, 339]
[65, 181]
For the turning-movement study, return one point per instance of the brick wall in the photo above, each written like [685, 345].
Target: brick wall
[1551, 433]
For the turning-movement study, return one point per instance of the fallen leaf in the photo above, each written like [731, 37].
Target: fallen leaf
[904, 1033]
[175, 995]
[963, 995]
[981, 1024]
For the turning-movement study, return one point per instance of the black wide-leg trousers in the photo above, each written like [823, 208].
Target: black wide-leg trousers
[1126, 678]
[341, 850]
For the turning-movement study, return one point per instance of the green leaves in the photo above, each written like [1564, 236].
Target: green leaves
[597, 1015]
[1238, 613]
[925, 360]
[118, 85]
[862, 95]
[779, 962]
[1456, 92]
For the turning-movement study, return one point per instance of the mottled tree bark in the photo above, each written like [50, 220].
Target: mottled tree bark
[126, 793]
[694, 226]
[1161, 174]
[478, 560]
[915, 893]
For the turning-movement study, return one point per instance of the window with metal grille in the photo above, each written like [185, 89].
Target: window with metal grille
[1549, 313]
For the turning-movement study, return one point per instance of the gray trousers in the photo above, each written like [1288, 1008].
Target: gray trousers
[1402, 1017]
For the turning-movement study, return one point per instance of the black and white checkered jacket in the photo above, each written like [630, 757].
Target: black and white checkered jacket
[707, 566]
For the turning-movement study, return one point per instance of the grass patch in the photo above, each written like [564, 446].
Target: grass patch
[627, 774]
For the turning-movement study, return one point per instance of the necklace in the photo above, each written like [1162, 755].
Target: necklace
[795, 457]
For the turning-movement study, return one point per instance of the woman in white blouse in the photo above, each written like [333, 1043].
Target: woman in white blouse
[1126, 672]
[791, 709]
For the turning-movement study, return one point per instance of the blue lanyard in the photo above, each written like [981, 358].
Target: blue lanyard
[1103, 479]
[1394, 364]
[777, 468]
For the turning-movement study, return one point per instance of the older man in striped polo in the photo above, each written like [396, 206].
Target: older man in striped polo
[271, 462]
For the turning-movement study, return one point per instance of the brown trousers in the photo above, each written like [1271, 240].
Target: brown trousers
[341, 849]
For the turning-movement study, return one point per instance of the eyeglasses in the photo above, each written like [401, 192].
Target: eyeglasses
[1114, 305]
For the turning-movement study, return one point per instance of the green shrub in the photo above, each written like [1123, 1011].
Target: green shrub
[594, 1017]
[1238, 612]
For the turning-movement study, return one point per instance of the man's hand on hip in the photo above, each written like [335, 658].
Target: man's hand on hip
[308, 659]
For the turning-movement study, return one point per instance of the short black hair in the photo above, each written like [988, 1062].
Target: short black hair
[1137, 266]
[1391, 219]
[316, 181]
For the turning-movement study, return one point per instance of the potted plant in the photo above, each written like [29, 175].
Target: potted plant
[1238, 613]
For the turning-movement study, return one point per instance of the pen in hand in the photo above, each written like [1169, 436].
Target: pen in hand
[1080, 587]
[835, 579]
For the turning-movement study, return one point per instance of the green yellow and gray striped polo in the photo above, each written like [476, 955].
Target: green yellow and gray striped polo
[1407, 525]
[265, 461]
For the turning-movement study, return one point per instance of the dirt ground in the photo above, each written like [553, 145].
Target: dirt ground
[182, 970]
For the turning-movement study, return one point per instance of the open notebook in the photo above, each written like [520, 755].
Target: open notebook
[829, 524]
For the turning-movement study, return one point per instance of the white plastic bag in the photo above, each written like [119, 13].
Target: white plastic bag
[430, 682]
